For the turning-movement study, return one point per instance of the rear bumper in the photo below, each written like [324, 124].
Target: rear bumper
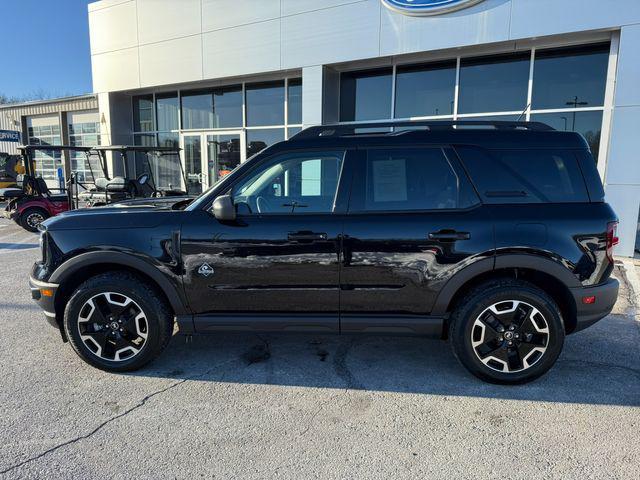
[46, 302]
[606, 296]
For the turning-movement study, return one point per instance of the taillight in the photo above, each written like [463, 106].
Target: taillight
[612, 238]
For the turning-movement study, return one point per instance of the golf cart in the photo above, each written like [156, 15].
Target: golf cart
[10, 168]
[35, 201]
[137, 172]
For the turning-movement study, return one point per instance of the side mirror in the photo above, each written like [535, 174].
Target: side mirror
[224, 209]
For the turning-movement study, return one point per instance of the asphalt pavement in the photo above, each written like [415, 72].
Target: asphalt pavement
[308, 406]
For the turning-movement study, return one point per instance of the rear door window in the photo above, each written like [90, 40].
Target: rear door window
[525, 176]
[409, 179]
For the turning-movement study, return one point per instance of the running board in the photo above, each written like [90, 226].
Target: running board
[398, 324]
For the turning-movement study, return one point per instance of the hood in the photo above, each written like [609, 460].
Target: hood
[157, 202]
[140, 213]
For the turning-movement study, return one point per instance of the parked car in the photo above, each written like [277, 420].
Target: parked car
[493, 235]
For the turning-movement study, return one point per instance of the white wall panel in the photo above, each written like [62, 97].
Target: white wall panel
[312, 87]
[619, 197]
[113, 28]
[217, 14]
[627, 91]
[253, 48]
[532, 18]
[486, 22]
[114, 71]
[621, 169]
[331, 35]
[292, 7]
[173, 61]
[160, 20]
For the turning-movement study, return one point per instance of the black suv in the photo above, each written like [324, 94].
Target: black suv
[492, 235]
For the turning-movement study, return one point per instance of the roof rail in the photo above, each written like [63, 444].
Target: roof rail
[350, 129]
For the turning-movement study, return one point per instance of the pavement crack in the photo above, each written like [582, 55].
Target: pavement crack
[140, 404]
[340, 365]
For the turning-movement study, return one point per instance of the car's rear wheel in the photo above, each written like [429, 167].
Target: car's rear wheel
[117, 322]
[507, 331]
[32, 217]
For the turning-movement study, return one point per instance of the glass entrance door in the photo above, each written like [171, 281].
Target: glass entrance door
[209, 156]
[192, 157]
[224, 153]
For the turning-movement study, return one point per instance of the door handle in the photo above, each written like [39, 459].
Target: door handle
[306, 236]
[449, 236]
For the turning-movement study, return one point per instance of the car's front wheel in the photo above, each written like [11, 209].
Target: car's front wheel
[507, 331]
[117, 322]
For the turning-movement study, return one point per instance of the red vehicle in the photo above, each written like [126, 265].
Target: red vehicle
[35, 201]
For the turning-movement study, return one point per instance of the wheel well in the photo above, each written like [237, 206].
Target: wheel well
[545, 282]
[66, 289]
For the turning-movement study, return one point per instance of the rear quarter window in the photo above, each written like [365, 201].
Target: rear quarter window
[525, 176]
[409, 179]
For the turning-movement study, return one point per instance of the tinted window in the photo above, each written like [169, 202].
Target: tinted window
[143, 113]
[525, 176]
[304, 182]
[197, 110]
[294, 102]
[425, 90]
[167, 111]
[494, 84]
[265, 104]
[258, 140]
[409, 179]
[365, 95]
[571, 78]
[227, 107]
[588, 124]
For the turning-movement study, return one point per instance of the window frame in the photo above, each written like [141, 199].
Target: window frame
[343, 185]
[450, 156]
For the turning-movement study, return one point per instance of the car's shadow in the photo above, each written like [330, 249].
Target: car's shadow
[598, 366]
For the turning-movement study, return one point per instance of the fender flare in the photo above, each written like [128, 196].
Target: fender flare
[529, 261]
[73, 265]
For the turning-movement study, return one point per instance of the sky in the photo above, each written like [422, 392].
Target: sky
[45, 48]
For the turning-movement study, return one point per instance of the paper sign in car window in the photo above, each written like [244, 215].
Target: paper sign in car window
[390, 180]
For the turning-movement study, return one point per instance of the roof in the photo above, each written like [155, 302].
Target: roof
[30, 103]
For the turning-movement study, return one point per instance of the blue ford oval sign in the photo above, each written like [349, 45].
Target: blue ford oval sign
[427, 7]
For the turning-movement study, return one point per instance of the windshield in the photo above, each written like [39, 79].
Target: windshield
[164, 168]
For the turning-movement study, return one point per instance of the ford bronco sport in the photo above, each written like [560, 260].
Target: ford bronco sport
[493, 235]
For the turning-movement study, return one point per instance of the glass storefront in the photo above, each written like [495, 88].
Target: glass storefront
[564, 87]
[220, 127]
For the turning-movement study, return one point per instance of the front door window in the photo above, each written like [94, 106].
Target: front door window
[292, 183]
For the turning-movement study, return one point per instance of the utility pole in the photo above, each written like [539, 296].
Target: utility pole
[575, 104]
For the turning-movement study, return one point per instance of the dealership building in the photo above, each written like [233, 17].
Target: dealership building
[223, 78]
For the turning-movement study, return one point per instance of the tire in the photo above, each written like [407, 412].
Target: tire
[526, 316]
[117, 322]
[32, 217]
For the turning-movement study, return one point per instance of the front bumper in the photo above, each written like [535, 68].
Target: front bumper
[606, 296]
[44, 294]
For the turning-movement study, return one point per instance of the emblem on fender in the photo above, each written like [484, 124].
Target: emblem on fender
[427, 7]
[206, 270]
